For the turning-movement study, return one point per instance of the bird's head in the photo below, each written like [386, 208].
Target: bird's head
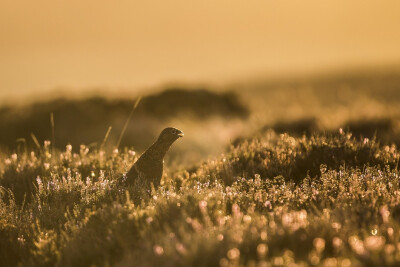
[170, 134]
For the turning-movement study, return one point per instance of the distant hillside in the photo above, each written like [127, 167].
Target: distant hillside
[87, 120]
[200, 103]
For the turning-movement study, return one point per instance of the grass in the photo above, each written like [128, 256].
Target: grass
[301, 173]
[273, 200]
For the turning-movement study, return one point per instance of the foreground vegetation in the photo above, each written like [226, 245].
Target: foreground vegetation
[291, 189]
[271, 200]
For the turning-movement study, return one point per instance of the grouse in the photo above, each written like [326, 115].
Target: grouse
[148, 169]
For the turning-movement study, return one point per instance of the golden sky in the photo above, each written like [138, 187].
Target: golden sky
[45, 44]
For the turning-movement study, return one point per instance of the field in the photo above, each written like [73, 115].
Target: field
[284, 173]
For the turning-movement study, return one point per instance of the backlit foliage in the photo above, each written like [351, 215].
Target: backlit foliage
[275, 200]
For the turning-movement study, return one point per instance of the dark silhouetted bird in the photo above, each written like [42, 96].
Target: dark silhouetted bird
[149, 167]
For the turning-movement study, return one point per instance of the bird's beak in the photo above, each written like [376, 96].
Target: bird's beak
[180, 134]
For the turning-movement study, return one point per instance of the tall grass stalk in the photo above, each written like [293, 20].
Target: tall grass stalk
[127, 121]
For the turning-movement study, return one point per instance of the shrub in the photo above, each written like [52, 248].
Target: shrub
[295, 158]
[257, 204]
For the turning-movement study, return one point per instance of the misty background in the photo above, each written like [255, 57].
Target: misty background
[73, 47]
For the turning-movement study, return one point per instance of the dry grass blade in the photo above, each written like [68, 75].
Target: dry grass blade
[35, 140]
[53, 136]
[127, 121]
[23, 141]
[106, 137]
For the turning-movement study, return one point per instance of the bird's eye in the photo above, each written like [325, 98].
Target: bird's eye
[173, 131]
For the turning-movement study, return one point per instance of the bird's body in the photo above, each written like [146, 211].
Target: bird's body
[148, 169]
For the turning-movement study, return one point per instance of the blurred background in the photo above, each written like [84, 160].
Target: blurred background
[219, 70]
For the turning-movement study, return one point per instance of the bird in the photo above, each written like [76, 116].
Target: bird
[148, 169]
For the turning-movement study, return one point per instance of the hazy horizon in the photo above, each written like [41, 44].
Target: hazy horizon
[47, 45]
